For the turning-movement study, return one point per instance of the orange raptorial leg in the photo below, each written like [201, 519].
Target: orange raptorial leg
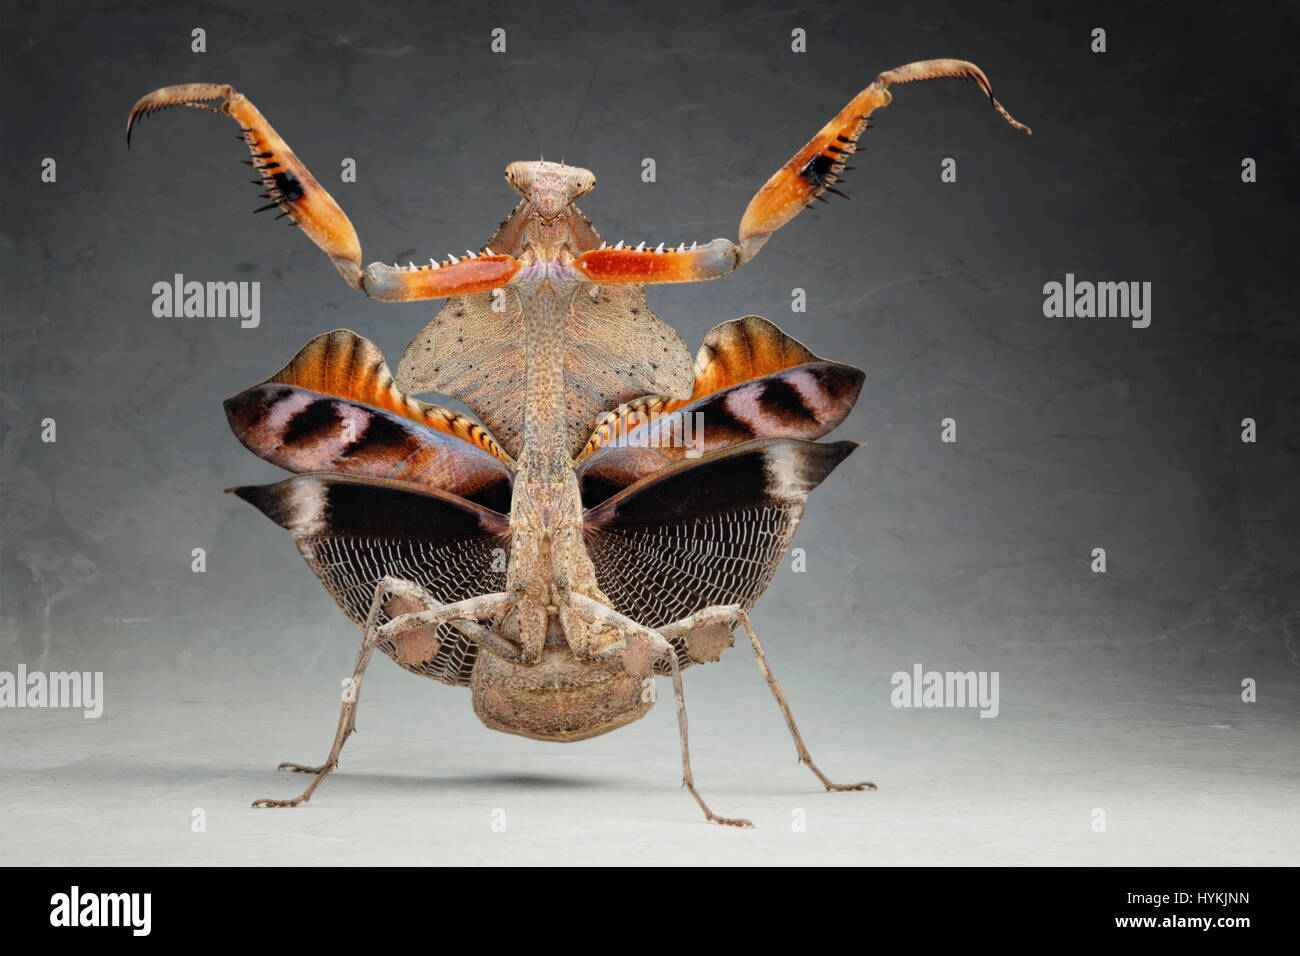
[817, 167]
[810, 173]
[293, 190]
[641, 266]
[290, 186]
[436, 280]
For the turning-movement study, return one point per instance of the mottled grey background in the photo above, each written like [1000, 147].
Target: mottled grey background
[1119, 691]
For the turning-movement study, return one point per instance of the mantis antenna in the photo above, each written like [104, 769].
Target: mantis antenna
[586, 96]
[533, 132]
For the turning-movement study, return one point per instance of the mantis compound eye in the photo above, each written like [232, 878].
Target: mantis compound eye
[580, 182]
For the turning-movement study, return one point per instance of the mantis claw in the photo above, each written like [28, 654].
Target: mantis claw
[289, 184]
[183, 94]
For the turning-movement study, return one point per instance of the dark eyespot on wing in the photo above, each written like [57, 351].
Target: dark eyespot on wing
[383, 434]
[342, 364]
[736, 352]
[804, 401]
[304, 431]
[780, 400]
[311, 421]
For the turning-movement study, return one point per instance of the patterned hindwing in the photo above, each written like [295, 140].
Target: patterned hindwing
[334, 408]
[344, 364]
[709, 531]
[744, 349]
[753, 381]
[354, 531]
[734, 352]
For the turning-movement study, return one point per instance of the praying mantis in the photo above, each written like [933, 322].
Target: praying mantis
[557, 553]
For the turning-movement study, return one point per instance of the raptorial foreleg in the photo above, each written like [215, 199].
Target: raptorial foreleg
[293, 190]
[812, 171]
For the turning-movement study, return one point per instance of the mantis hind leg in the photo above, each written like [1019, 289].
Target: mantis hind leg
[464, 615]
[635, 633]
[735, 614]
[348, 713]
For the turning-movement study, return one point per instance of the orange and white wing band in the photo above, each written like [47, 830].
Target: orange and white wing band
[642, 266]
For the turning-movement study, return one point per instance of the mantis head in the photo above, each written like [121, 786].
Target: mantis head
[550, 188]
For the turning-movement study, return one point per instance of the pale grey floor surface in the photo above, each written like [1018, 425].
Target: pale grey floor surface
[1185, 773]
